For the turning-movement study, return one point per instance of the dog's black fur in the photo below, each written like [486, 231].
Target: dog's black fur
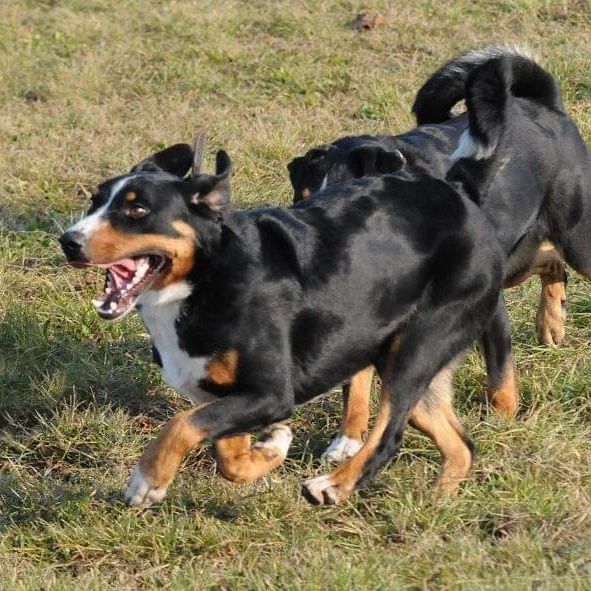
[527, 166]
[427, 148]
[528, 169]
[307, 296]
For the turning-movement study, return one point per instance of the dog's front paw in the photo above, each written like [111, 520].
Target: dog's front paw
[341, 448]
[140, 493]
[323, 490]
[278, 440]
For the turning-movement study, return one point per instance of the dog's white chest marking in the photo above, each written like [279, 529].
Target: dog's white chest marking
[179, 370]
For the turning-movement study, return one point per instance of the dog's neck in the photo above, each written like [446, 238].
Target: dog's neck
[213, 289]
[171, 294]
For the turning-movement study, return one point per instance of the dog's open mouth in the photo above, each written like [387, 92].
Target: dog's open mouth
[126, 280]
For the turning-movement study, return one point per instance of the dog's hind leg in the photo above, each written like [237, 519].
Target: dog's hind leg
[355, 418]
[434, 415]
[551, 315]
[337, 486]
[238, 461]
[432, 340]
[545, 261]
[502, 389]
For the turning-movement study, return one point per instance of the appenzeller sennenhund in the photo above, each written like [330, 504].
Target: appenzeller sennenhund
[255, 312]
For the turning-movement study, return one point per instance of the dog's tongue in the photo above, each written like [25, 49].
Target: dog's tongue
[123, 271]
[125, 280]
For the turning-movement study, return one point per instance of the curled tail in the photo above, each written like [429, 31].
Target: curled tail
[485, 79]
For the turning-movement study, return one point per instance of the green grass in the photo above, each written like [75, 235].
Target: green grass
[87, 88]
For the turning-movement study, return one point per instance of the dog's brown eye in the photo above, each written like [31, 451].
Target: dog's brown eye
[137, 211]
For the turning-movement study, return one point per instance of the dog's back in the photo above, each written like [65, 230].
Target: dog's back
[425, 149]
[521, 158]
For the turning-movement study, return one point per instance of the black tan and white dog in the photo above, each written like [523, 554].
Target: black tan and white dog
[255, 312]
[523, 161]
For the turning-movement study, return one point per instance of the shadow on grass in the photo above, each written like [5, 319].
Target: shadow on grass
[41, 366]
[51, 504]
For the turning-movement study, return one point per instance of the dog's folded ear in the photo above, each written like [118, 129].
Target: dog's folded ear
[214, 190]
[296, 170]
[373, 160]
[176, 160]
[318, 152]
[306, 172]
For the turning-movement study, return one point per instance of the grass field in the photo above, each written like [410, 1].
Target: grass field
[89, 87]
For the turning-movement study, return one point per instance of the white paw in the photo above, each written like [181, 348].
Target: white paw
[320, 490]
[140, 493]
[341, 448]
[279, 439]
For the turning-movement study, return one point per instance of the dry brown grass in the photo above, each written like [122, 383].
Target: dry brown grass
[89, 87]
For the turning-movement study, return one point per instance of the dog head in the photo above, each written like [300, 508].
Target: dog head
[333, 163]
[146, 227]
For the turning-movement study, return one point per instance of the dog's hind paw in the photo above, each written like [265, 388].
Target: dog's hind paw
[550, 330]
[140, 493]
[323, 490]
[551, 314]
[341, 448]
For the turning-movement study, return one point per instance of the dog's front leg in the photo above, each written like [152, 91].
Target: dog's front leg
[237, 413]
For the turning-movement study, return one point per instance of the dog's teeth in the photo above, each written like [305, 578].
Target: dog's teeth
[113, 306]
[108, 290]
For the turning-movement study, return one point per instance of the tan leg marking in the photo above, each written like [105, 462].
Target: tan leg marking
[337, 486]
[505, 396]
[162, 458]
[356, 418]
[435, 417]
[239, 462]
[551, 315]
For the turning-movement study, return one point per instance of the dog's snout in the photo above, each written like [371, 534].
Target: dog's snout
[72, 242]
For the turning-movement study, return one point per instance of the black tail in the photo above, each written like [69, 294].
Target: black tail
[448, 85]
[485, 79]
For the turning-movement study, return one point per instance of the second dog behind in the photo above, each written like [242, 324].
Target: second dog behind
[523, 161]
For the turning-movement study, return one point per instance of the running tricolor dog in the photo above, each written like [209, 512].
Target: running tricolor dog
[255, 312]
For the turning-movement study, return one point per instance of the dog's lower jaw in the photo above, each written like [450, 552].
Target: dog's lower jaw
[141, 493]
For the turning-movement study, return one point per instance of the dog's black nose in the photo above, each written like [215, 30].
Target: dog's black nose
[72, 245]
